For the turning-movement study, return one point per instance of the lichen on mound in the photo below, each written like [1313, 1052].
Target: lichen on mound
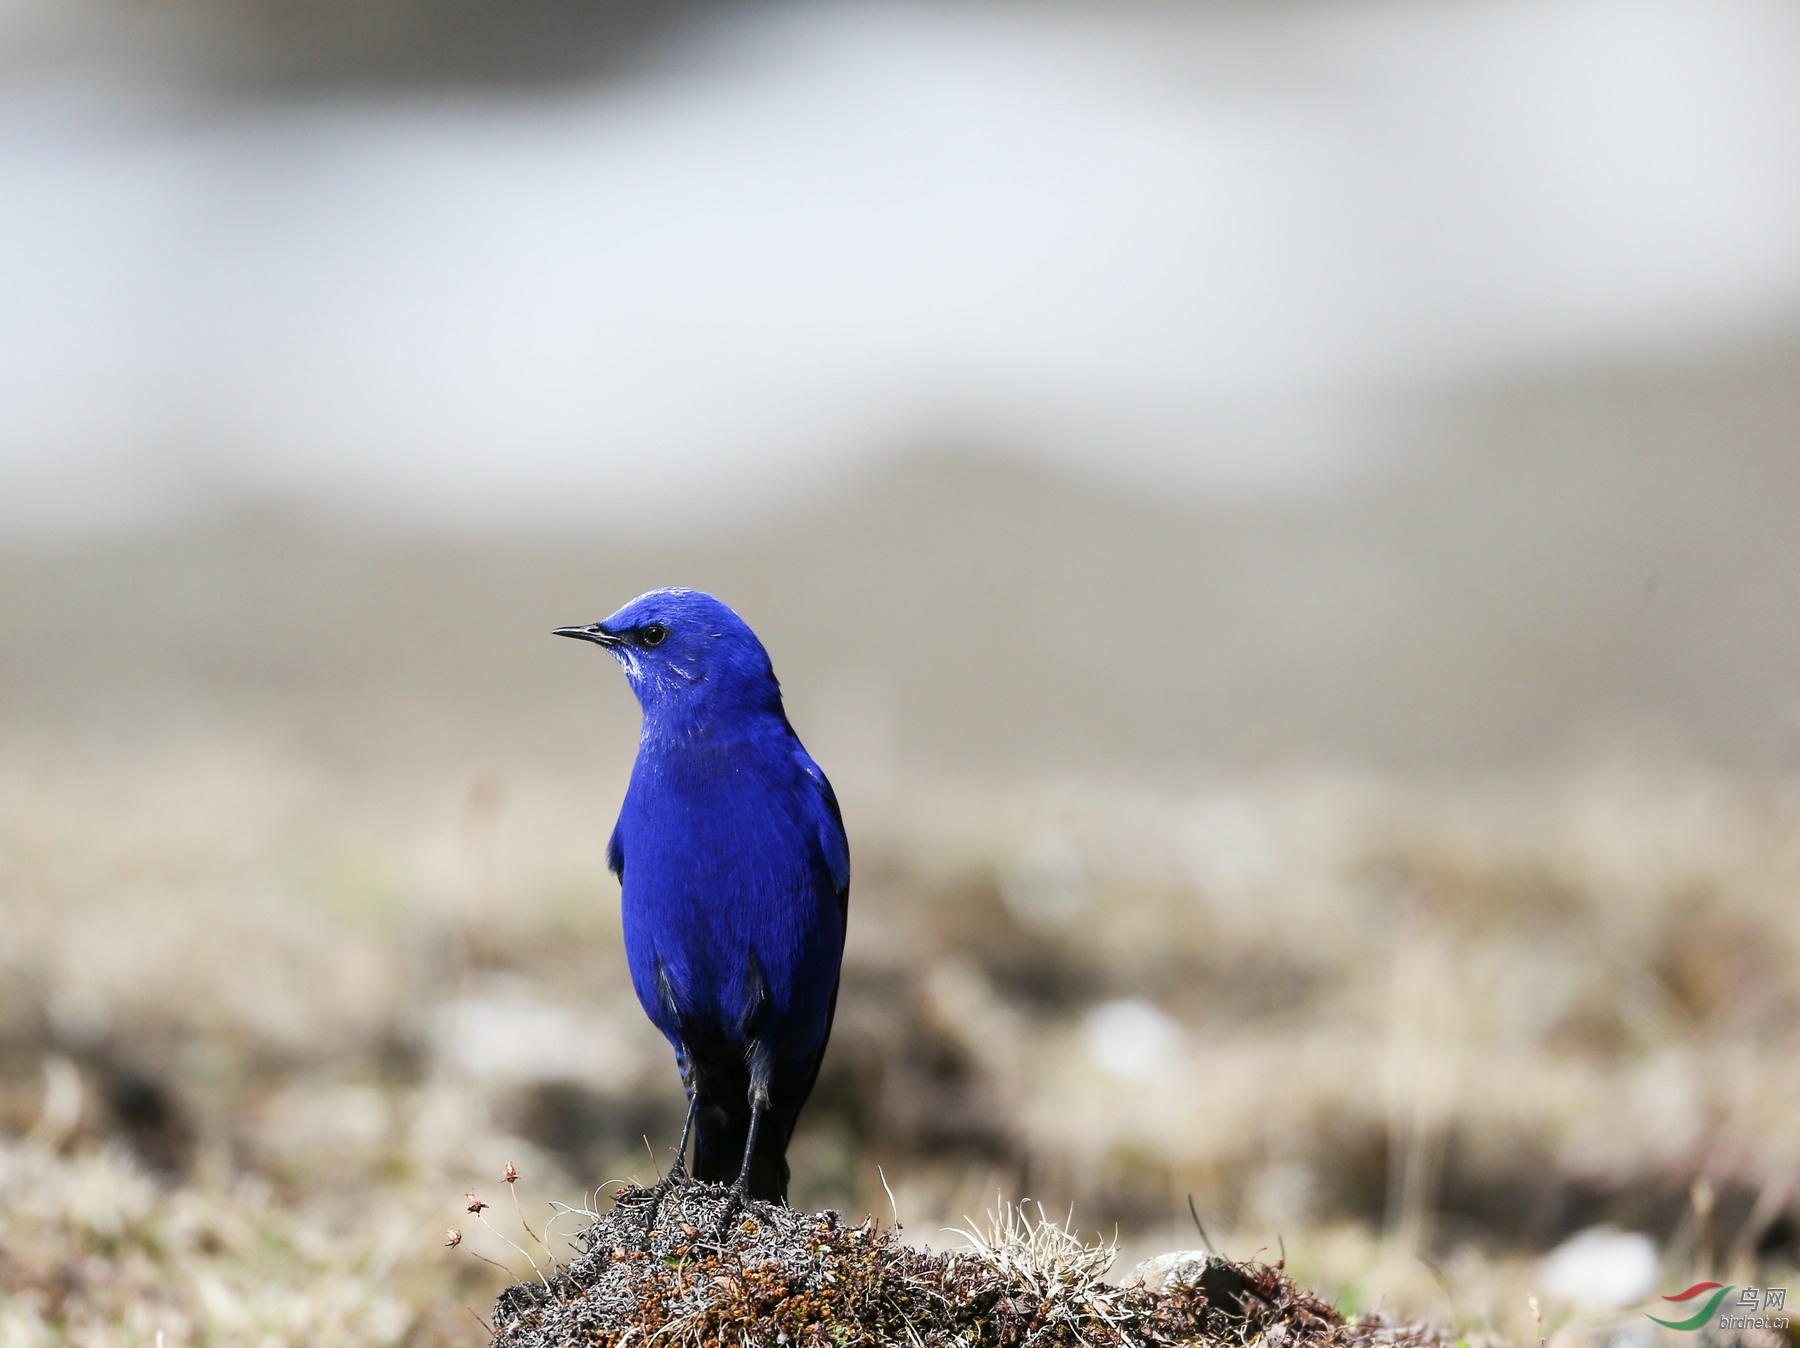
[777, 1276]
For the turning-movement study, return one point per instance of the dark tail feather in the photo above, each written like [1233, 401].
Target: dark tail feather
[719, 1151]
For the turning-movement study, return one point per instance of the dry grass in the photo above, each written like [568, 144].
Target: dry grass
[1412, 1039]
[95, 1252]
[774, 1275]
[1044, 1256]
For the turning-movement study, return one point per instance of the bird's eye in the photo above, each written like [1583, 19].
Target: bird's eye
[654, 635]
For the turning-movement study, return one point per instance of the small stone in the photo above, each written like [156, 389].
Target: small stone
[1601, 1269]
[1177, 1268]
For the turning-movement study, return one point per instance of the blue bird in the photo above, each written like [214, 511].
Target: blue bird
[735, 878]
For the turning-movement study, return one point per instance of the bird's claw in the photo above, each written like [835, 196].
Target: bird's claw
[738, 1203]
[654, 1195]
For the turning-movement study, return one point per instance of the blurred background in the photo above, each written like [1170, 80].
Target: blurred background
[1281, 520]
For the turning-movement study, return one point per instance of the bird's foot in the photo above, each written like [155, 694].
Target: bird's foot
[736, 1200]
[738, 1203]
[651, 1204]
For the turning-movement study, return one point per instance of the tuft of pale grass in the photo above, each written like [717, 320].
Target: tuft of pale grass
[1054, 1264]
[1039, 1252]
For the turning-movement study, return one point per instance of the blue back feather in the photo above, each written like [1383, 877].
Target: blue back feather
[730, 846]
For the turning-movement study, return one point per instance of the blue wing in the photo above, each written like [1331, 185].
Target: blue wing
[834, 846]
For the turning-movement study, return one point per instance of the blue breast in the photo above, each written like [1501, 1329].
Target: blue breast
[734, 871]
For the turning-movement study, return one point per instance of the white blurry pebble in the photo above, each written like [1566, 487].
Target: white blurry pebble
[1600, 1269]
[1130, 1039]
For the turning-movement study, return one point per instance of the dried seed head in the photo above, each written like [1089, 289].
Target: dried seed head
[512, 1173]
[473, 1203]
[452, 1238]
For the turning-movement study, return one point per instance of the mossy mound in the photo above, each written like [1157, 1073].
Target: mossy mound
[781, 1277]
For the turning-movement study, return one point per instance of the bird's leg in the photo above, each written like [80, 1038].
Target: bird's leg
[677, 1173]
[737, 1198]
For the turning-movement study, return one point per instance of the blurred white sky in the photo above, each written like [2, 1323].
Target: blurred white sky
[1207, 242]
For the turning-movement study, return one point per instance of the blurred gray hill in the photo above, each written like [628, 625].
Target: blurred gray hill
[282, 46]
[1550, 570]
[388, 42]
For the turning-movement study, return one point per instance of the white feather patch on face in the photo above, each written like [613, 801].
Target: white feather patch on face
[655, 673]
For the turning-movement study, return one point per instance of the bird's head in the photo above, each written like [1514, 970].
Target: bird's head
[683, 650]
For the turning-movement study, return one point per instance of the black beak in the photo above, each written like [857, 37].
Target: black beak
[592, 632]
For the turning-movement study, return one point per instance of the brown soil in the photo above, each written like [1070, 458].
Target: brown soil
[777, 1276]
